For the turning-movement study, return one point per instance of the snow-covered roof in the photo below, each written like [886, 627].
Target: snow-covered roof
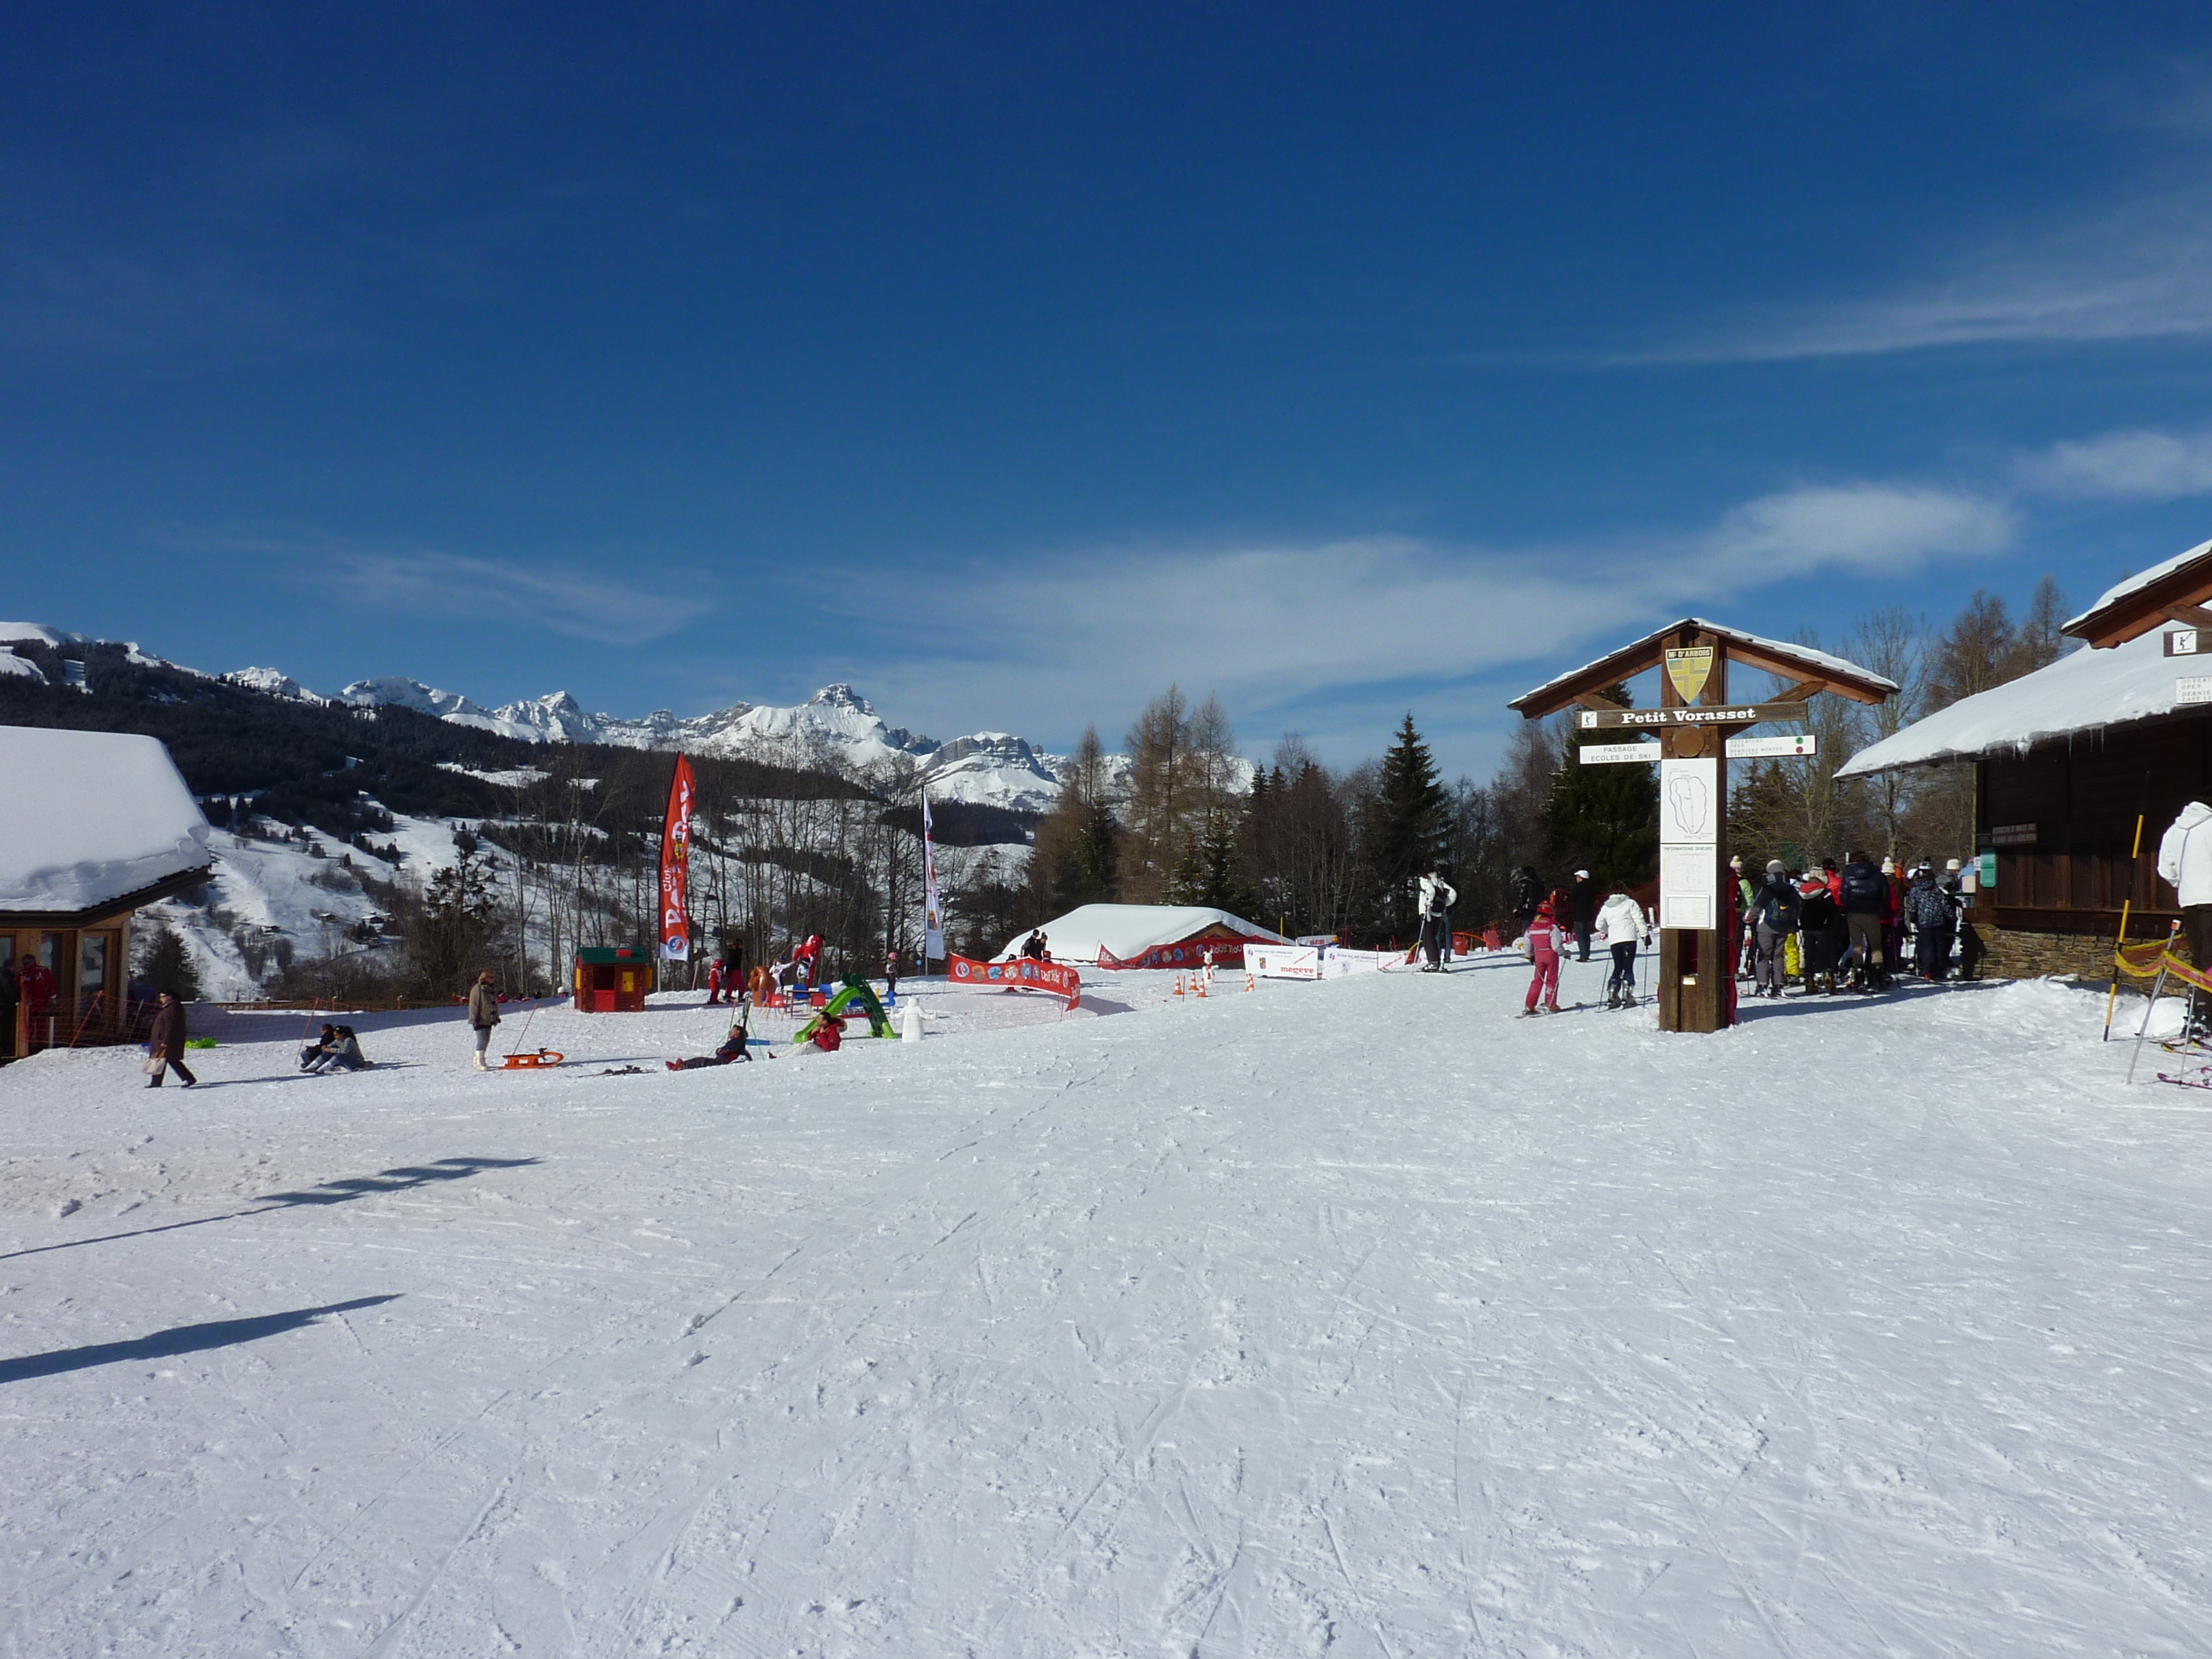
[88, 817]
[2078, 693]
[2140, 580]
[1815, 663]
[1127, 931]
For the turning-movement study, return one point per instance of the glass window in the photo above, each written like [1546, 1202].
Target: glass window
[91, 963]
[49, 951]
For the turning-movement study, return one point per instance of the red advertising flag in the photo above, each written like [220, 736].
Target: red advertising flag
[676, 865]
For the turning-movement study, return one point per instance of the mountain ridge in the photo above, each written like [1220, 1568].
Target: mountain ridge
[837, 727]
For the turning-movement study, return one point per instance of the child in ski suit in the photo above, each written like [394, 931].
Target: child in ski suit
[1544, 940]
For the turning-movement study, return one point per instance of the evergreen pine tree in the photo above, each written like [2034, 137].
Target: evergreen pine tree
[1604, 819]
[1413, 823]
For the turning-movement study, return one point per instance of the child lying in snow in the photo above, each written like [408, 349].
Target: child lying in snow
[732, 1051]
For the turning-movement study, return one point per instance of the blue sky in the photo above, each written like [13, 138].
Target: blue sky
[1011, 362]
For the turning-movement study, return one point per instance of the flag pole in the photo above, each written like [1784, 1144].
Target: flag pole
[2112, 996]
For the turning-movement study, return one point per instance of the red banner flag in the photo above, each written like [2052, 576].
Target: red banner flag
[1024, 974]
[675, 866]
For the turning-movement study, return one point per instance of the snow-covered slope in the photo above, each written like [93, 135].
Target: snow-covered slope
[1224, 1327]
[273, 682]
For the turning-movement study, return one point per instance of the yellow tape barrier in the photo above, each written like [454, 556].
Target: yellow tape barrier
[2149, 961]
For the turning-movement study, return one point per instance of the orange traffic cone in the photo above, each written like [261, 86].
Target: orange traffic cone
[1250, 982]
[1199, 981]
[1178, 989]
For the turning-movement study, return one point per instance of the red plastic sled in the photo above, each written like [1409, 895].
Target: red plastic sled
[518, 1062]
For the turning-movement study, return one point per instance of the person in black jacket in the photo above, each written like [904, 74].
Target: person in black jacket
[1774, 912]
[1865, 906]
[1821, 920]
[1582, 904]
[1528, 894]
[1934, 918]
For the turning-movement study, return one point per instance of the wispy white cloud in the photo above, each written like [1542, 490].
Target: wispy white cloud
[457, 586]
[2129, 274]
[2137, 465]
[1276, 627]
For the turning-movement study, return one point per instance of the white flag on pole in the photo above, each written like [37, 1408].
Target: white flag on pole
[933, 913]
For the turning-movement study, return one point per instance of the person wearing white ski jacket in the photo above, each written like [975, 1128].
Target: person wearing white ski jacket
[1621, 926]
[1437, 896]
[2185, 862]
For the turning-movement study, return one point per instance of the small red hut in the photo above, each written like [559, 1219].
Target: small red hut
[611, 979]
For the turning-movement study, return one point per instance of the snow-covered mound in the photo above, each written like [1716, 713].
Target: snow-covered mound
[1127, 931]
[22, 666]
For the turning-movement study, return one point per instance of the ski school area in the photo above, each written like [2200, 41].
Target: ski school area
[1353, 1316]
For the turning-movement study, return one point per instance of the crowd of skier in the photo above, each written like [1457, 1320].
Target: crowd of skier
[1825, 929]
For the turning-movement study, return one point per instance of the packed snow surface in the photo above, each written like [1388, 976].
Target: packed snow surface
[1357, 1317]
[2080, 692]
[87, 817]
[1127, 931]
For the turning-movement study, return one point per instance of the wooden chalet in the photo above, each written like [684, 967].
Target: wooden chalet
[2068, 759]
[94, 826]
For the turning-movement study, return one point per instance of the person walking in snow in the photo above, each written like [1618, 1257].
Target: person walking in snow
[890, 976]
[714, 982]
[1545, 940]
[483, 1014]
[1437, 897]
[1582, 906]
[1621, 927]
[1774, 913]
[166, 1042]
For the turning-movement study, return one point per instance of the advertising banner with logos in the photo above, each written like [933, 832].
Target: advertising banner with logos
[1024, 974]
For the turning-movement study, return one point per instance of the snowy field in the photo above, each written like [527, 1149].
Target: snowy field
[1357, 1318]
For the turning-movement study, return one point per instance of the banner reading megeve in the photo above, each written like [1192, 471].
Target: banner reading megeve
[675, 866]
[1024, 974]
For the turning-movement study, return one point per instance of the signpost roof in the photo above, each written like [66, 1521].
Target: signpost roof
[1801, 662]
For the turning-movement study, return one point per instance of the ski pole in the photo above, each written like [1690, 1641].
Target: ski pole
[2157, 987]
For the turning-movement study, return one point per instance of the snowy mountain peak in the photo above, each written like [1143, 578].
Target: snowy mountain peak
[272, 681]
[841, 695]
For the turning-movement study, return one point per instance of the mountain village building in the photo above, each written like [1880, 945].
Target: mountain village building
[2068, 759]
[94, 826]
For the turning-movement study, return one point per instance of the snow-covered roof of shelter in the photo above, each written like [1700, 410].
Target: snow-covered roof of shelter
[2078, 693]
[2140, 580]
[1127, 931]
[1815, 663]
[90, 818]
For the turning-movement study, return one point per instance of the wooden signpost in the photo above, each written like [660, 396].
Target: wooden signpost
[1694, 721]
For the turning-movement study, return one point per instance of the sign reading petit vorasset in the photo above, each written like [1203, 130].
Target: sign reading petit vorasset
[1739, 713]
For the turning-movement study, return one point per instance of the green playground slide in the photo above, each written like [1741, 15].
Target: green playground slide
[855, 989]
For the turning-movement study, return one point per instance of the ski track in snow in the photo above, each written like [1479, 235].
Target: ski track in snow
[1356, 1318]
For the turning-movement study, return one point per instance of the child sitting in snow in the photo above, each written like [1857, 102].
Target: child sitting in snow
[732, 1050]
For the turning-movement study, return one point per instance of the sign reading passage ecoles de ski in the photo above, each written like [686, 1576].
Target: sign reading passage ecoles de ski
[1604, 754]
